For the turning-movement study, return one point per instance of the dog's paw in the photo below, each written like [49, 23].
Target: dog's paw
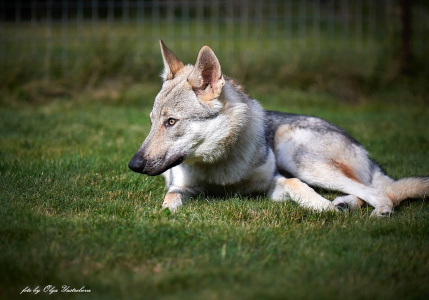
[342, 206]
[382, 212]
[171, 207]
[172, 201]
[346, 203]
[332, 207]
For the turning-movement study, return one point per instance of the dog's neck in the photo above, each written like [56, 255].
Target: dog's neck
[240, 151]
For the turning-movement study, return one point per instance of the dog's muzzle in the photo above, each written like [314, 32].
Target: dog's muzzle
[154, 167]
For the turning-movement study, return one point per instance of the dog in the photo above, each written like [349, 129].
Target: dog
[208, 136]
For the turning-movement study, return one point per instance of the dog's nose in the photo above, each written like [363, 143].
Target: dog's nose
[136, 164]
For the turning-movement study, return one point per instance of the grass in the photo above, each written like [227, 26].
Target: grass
[73, 214]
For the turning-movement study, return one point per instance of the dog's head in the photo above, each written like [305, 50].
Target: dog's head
[187, 105]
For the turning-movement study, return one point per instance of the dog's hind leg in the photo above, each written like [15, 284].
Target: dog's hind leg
[382, 192]
[348, 202]
[352, 179]
[294, 189]
[380, 200]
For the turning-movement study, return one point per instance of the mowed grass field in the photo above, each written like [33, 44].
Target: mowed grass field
[73, 214]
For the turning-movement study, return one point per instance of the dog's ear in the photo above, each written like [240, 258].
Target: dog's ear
[206, 79]
[172, 64]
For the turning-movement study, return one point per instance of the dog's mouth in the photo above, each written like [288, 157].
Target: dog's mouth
[167, 164]
[153, 167]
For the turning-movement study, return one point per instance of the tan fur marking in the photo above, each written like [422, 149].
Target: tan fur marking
[293, 183]
[393, 198]
[172, 201]
[158, 145]
[282, 134]
[346, 170]
[171, 197]
[360, 202]
[208, 94]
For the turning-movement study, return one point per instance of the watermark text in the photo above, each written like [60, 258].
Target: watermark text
[52, 289]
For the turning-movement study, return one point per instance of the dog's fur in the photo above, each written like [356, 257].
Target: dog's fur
[208, 136]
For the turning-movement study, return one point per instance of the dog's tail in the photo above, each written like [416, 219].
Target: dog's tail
[408, 188]
[405, 188]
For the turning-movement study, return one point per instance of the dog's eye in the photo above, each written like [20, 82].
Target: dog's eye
[170, 122]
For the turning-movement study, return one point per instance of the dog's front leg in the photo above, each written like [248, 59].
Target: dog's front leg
[176, 197]
[173, 200]
[294, 189]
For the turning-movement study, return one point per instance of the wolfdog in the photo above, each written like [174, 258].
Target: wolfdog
[208, 136]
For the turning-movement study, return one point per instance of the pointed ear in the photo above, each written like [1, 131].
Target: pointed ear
[206, 79]
[171, 64]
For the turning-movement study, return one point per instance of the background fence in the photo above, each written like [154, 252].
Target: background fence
[60, 37]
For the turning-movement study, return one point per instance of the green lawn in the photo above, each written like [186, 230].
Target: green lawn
[73, 214]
